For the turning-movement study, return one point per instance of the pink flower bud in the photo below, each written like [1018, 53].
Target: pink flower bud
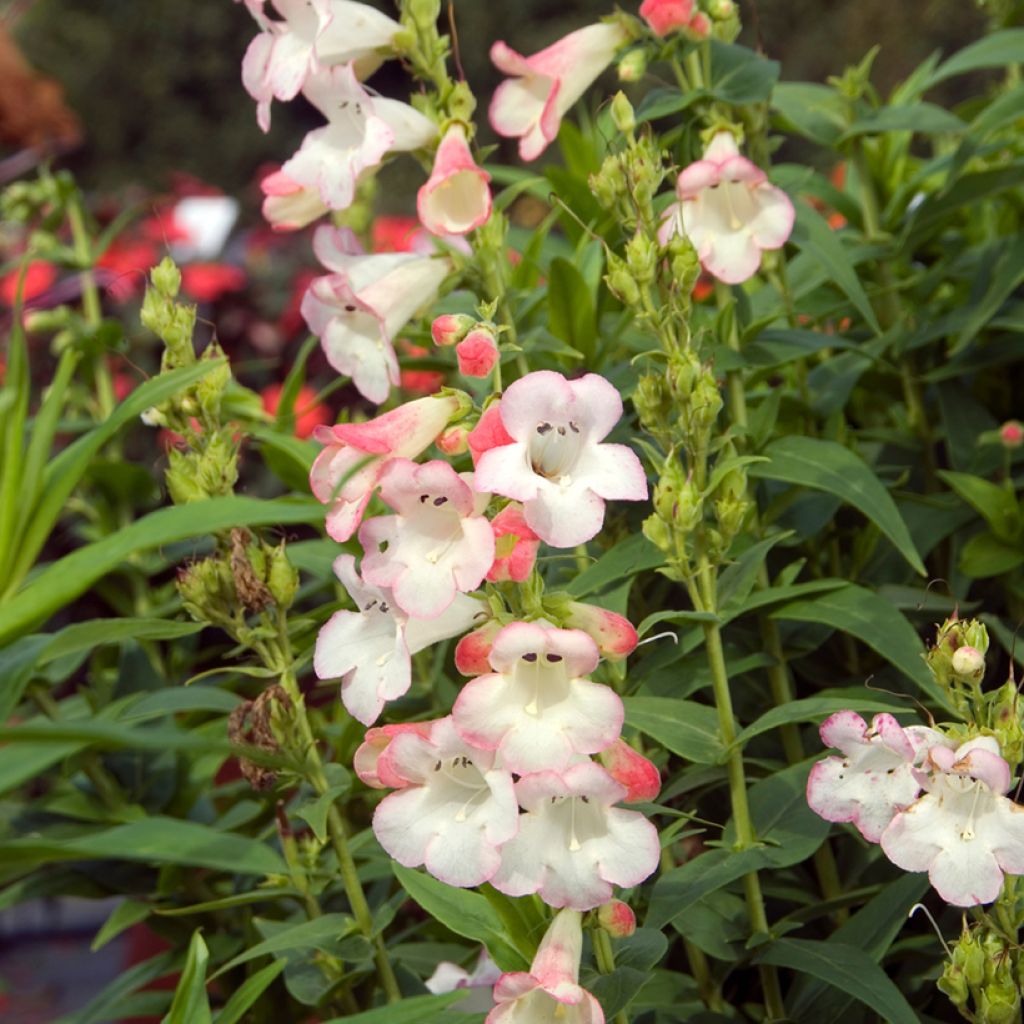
[617, 919]
[1011, 434]
[515, 546]
[454, 441]
[699, 27]
[474, 649]
[477, 353]
[489, 432]
[665, 15]
[632, 770]
[451, 328]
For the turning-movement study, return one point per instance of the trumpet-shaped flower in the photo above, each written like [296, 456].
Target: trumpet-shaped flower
[360, 129]
[357, 310]
[874, 779]
[346, 472]
[437, 544]
[963, 830]
[556, 465]
[730, 212]
[370, 649]
[371, 759]
[573, 845]
[457, 810]
[530, 105]
[551, 990]
[536, 708]
[311, 34]
[456, 198]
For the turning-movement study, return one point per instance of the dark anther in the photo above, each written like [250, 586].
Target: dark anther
[543, 428]
[573, 427]
[532, 656]
[554, 658]
[438, 502]
[424, 498]
[350, 309]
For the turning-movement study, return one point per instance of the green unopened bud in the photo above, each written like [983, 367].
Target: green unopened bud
[683, 263]
[282, 577]
[210, 389]
[683, 373]
[969, 663]
[953, 985]
[424, 12]
[622, 113]
[657, 532]
[731, 515]
[952, 635]
[183, 477]
[622, 285]
[1006, 708]
[609, 183]
[633, 66]
[668, 489]
[166, 278]
[207, 590]
[617, 919]
[218, 465]
[461, 103]
[651, 399]
[705, 402]
[721, 10]
[642, 258]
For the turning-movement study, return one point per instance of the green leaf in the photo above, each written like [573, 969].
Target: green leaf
[245, 996]
[872, 929]
[738, 579]
[817, 709]
[827, 466]
[626, 559]
[1004, 276]
[812, 235]
[108, 1004]
[124, 915]
[815, 111]
[925, 118]
[876, 622]
[739, 75]
[985, 555]
[64, 580]
[182, 699]
[571, 308]
[466, 913]
[682, 726]
[84, 636]
[844, 967]
[305, 935]
[315, 811]
[153, 840]
[677, 890]
[190, 1005]
[994, 51]
[411, 1010]
[996, 505]
[17, 666]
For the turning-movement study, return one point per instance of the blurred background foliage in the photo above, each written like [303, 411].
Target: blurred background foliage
[156, 82]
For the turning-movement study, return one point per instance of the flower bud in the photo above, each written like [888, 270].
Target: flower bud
[633, 66]
[721, 10]
[622, 284]
[968, 662]
[617, 919]
[477, 353]
[1011, 434]
[642, 258]
[282, 578]
[699, 27]
[657, 532]
[166, 278]
[622, 113]
[451, 328]
[454, 440]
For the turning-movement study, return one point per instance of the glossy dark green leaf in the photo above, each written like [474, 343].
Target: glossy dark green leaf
[985, 555]
[412, 1010]
[926, 118]
[682, 726]
[993, 51]
[190, 1004]
[626, 559]
[248, 993]
[305, 935]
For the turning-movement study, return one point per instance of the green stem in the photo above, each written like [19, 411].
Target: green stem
[605, 957]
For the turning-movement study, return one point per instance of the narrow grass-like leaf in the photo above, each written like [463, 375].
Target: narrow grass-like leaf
[244, 997]
[190, 1004]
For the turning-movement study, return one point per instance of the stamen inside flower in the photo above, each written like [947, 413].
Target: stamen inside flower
[554, 448]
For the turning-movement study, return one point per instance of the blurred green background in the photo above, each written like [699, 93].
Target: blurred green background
[156, 82]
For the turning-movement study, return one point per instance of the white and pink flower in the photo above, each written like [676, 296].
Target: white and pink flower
[530, 105]
[371, 760]
[477, 985]
[874, 779]
[456, 198]
[555, 464]
[515, 546]
[963, 830]
[357, 310]
[348, 470]
[551, 990]
[370, 649]
[437, 544]
[573, 845]
[311, 34]
[536, 708]
[729, 210]
[457, 809]
[360, 130]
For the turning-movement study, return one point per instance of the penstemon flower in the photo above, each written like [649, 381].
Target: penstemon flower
[437, 544]
[551, 990]
[312, 33]
[530, 105]
[346, 473]
[536, 708]
[730, 212]
[555, 463]
[874, 779]
[963, 830]
[573, 845]
[357, 310]
[456, 198]
[360, 130]
[457, 809]
[370, 649]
